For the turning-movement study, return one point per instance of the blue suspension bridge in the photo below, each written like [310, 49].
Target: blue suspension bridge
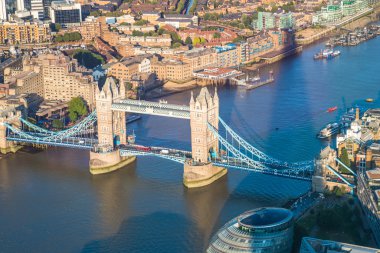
[234, 152]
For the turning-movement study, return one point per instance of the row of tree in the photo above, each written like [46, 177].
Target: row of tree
[67, 37]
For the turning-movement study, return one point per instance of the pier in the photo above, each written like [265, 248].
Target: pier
[250, 85]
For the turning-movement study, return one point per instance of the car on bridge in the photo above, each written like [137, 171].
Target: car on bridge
[143, 148]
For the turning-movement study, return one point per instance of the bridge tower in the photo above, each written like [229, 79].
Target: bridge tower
[10, 116]
[111, 126]
[204, 110]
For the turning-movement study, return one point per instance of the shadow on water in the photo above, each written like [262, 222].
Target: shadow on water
[156, 232]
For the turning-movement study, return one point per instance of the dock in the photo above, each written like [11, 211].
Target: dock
[250, 85]
[259, 84]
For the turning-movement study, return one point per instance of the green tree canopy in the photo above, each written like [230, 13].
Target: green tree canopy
[188, 41]
[344, 158]
[137, 33]
[141, 22]
[176, 45]
[55, 27]
[57, 124]
[87, 58]
[67, 37]
[77, 108]
[217, 35]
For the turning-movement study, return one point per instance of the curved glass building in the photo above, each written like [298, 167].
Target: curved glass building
[264, 230]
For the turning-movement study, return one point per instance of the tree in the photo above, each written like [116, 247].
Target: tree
[176, 45]
[238, 39]
[137, 33]
[55, 27]
[196, 41]
[58, 38]
[57, 124]
[247, 20]
[129, 85]
[260, 9]
[77, 108]
[88, 58]
[188, 41]
[175, 37]
[141, 22]
[161, 31]
[95, 13]
[217, 35]
[344, 158]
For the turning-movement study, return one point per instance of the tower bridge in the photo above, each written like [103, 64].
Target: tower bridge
[211, 152]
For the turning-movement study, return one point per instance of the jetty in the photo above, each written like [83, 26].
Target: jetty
[259, 84]
[255, 83]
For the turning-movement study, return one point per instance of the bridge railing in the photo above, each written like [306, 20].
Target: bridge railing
[144, 103]
[174, 113]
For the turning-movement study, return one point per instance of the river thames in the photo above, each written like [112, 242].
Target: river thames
[50, 202]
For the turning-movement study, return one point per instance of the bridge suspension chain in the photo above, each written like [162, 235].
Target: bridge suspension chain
[248, 164]
[259, 154]
[76, 129]
[236, 152]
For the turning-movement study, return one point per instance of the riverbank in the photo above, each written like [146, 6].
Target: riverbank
[171, 88]
[328, 220]
[314, 35]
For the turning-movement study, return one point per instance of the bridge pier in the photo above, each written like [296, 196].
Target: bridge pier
[10, 117]
[204, 111]
[201, 175]
[105, 162]
[112, 131]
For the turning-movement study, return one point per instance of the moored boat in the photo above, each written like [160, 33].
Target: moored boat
[329, 130]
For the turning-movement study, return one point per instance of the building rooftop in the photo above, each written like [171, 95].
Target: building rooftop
[216, 71]
[377, 194]
[198, 52]
[314, 245]
[265, 217]
[373, 174]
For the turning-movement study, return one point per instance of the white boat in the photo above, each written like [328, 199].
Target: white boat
[132, 138]
[329, 130]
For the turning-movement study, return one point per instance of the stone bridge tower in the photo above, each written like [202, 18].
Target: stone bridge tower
[112, 130]
[111, 124]
[204, 110]
[11, 116]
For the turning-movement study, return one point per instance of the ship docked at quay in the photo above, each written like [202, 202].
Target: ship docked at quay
[334, 128]
[327, 53]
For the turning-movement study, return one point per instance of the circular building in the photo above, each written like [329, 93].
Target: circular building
[263, 230]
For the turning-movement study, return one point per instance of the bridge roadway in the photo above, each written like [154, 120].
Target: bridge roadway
[182, 156]
[71, 142]
[152, 108]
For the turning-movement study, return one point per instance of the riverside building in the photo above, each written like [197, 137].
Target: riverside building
[313, 245]
[268, 20]
[268, 230]
[332, 14]
[52, 77]
[24, 32]
[369, 196]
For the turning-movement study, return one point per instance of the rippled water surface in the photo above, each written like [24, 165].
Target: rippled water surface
[50, 203]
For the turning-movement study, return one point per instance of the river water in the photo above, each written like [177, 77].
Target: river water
[50, 203]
